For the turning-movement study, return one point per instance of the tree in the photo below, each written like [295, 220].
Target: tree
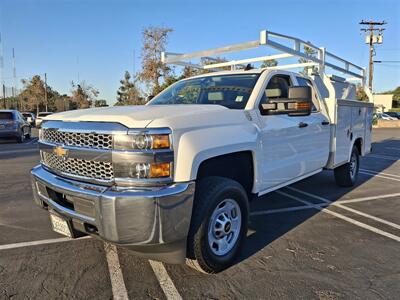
[62, 103]
[128, 93]
[311, 52]
[360, 93]
[269, 63]
[83, 94]
[154, 42]
[32, 96]
[100, 103]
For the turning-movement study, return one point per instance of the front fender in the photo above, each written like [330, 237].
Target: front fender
[199, 145]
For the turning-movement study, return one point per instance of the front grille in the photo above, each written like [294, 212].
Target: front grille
[80, 167]
[78, 139]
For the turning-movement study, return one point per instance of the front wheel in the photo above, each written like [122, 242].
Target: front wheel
[21, 137]
[346, 175]
[219, 224]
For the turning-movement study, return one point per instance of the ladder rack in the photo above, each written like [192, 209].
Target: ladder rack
[341, 65]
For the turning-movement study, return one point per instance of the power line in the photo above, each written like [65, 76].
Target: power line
[374, 36]
[386, 61]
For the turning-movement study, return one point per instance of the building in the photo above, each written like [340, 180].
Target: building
[383, 102]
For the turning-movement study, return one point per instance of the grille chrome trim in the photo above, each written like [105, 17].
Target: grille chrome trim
[97, 170]
[77, 139]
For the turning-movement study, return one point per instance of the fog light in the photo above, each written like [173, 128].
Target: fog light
[150, 170]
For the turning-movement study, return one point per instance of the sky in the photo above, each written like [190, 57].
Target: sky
[97, 40]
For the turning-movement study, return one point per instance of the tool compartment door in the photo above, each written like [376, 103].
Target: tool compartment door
[342, 136]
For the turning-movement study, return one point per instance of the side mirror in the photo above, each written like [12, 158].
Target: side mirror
[298, 103]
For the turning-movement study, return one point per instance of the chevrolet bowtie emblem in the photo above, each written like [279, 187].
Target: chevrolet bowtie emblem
[60, 152]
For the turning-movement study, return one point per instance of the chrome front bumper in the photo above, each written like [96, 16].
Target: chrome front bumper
[151, 221]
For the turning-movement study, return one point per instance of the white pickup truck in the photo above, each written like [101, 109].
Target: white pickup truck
[172, 180]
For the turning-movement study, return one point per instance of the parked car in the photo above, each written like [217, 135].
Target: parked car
[40, 116]
[172, 180]
[393, 114]
[13, 125]
[29, 117]
[384, 116]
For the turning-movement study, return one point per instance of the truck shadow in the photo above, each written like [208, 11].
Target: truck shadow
[264, 227]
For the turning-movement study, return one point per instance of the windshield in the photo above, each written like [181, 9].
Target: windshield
[231, 91]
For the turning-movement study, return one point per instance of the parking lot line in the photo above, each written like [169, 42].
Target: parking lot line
[338, 215]
[387, 157]
[380, 176]
[386, 174]
[117, 279]
[346, 208]
[393, 148]
[41, 242]
[19, 151]
[282, 210]
[165, 281]
[368, 198]
[32, 141]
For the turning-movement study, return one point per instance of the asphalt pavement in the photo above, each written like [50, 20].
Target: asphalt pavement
[310, 240]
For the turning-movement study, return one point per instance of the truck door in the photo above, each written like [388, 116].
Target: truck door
[317, 133]
[282, 138]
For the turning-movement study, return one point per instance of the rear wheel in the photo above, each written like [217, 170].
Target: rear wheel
[219, 224]
[346, 175]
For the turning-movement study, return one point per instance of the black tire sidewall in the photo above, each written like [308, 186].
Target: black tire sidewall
[355, 153]
[204, 252]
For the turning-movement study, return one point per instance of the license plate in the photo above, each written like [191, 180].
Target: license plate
[60, 225]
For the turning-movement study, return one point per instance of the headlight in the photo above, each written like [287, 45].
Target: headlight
[142, 141]
[143, 156]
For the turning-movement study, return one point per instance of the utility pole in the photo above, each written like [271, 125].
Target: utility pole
[45, 91]
[371, 38]
[4, 96]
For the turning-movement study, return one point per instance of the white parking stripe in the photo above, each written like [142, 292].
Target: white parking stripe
[165, 281]
[368, 216]
[376, 172]
[19, 151]
[117, 280]
[369, 198]
[387, 157]
[380, 176]
[338, 215]
[342, 207]
[32, 141]
[362, 225]
[41, 242]
[393, 148]
[281, 210]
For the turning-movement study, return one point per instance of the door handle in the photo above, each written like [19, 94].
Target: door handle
[302, 125]
[325, 123]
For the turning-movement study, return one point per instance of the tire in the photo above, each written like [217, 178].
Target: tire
[28, 135]
[220, 214]
[346, 175]
[21, 137]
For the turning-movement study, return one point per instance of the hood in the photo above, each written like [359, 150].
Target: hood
[140, 116]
